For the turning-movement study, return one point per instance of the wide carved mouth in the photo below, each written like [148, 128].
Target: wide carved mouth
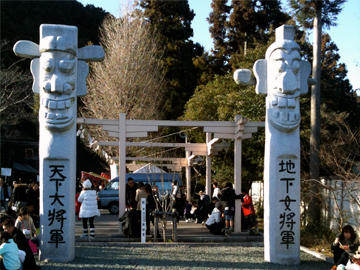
[284, 112]
[58, 111]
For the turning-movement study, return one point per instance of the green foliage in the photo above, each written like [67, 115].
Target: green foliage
[221, 100]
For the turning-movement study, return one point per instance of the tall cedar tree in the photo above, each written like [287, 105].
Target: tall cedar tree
[172, 19]
[243, 21]
[251, 21]
[316, 14]
[218, 30]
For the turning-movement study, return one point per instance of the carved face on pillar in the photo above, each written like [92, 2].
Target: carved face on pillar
[59, 74]
[284, 88]
[283, 76]
[56, 76]
[57, 89]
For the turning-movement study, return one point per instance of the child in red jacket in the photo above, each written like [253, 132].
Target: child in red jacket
[249, 211]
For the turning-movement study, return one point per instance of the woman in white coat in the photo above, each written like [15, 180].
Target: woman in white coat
[88, 209]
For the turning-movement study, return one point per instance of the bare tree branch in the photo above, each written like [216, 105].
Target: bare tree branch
[15, 84]
[130, 79]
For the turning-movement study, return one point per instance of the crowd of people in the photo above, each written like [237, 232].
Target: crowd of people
[19, 225]
[216, 213]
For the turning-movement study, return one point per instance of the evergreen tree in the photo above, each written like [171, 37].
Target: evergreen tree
[218, 30]
[251, 21]
[172, 19]
[240, 25]
[337, 91]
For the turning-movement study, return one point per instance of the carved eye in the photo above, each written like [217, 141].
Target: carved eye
[280, 66]
[296, 66]
[48, 65]
[66, 66]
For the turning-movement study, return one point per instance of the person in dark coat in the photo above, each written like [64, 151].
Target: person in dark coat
[227, 196]
[22, 243]
[32, 195]
[201, 212]
[130, 194]
[20, 197]
[5, 194]
[150, 207]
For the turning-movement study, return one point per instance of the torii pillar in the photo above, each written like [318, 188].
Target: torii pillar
[59, 78]
[283, 77]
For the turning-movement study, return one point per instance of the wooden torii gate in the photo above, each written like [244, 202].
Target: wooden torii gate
[236, 130]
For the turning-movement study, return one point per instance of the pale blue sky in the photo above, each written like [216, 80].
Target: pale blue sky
[346, 35]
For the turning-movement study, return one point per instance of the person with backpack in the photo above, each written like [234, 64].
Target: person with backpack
[227, 196]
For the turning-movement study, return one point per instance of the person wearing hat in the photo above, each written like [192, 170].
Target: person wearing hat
[88, 209]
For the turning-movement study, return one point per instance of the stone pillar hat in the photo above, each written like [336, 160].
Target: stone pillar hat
[56, 37]
[284, 39]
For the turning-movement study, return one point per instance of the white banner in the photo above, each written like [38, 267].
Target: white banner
[6, 171]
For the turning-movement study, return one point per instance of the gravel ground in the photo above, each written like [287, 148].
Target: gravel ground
[178, 257]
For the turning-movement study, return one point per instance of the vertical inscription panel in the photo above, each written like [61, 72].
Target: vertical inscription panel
[287, 206]
[56, 192]
[143, 220]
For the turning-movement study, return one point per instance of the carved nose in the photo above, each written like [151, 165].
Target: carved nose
[289, 84]
[56, 84]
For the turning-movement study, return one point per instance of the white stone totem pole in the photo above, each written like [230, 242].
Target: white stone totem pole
[59, 78]
[283, 77]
